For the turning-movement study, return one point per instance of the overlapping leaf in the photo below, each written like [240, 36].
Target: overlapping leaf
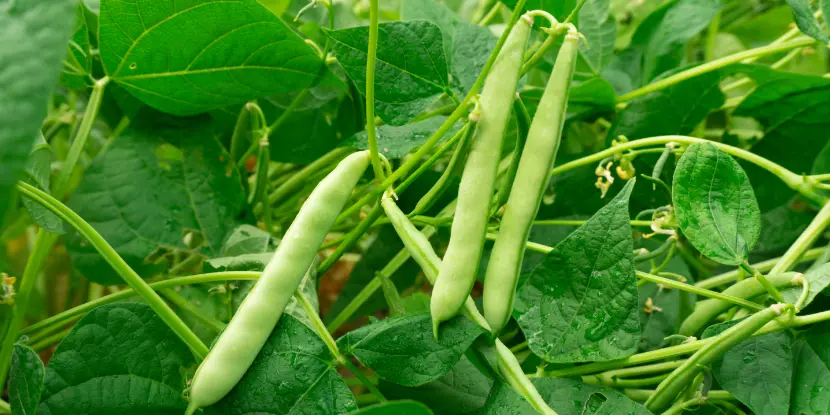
[25, 380]
[236, 50]
[715, 204]
[27, 79]
[580, 303]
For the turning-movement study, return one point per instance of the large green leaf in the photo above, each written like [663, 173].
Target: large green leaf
[580, 303]
[402, 349]
[659, 43]
[600, 31]
[120, 358]
[677, 109]
[187, 57]
[293, 373]
[572, 397]
[795, 112]
[715, 204]
[411, 66]
[757, 371]
[466, 45]
[462, 390]
[34, 35]
[25, 380]
[395, 408]
[152, 186]
[395, 142]
[811, 374]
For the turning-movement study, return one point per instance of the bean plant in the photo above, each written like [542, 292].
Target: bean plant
[490, 207]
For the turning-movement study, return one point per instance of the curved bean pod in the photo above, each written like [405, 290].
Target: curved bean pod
[458, 270]
[240, 343]
[532, 178]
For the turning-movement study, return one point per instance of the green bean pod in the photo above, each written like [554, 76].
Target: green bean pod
[421, 251]
[528, 189]
[680, 378]
[240, 343]
[458, 269]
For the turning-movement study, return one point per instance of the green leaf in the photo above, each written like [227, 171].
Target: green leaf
[395, 142]
[505, 401]
[402, 349]
[78, 62]
[580, 304]
[819, 279]
[572, 397]
[757, 371]
[247, 53]
[25, 380]
[293, 373]
[248, 239]
[715, 204]
[806, 22]
[27, 79]
[678, 109]
[411, 66]
[600, 31]
[395, 408]
[811, 374]
[462, 390]
[151, 187]
[659, 43]
[792, 109]
[39, 170]
[120, 358]
[466, 45]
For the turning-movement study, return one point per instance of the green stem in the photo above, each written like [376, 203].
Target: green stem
[120, 266]
[711, 36]
[351, 239]
[771, 290]
[662, 249]
[288, 111]
[179, 301]
[371, 60]
[364, 380]
[44, 240]
[668, 390]
[71, 314]
[93, 106]
[413, 162]
[40, 251]
[732, 276]
[715, 65]
[699, 291]
[792, 180]
[491, 14]
[261, 187]
[804, 242]
[563, 222]
[625, 383]
[642, 370]
[574, 12]
[549, 42]
[319, 328]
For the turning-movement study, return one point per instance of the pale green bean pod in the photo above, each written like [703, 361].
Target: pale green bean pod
[528, 188]
[240, 343]
[460, 263]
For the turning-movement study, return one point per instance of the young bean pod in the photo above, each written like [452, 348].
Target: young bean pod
[528, 188]
[458, 269]
[237, 346]
[419, 247]
[668, 390]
